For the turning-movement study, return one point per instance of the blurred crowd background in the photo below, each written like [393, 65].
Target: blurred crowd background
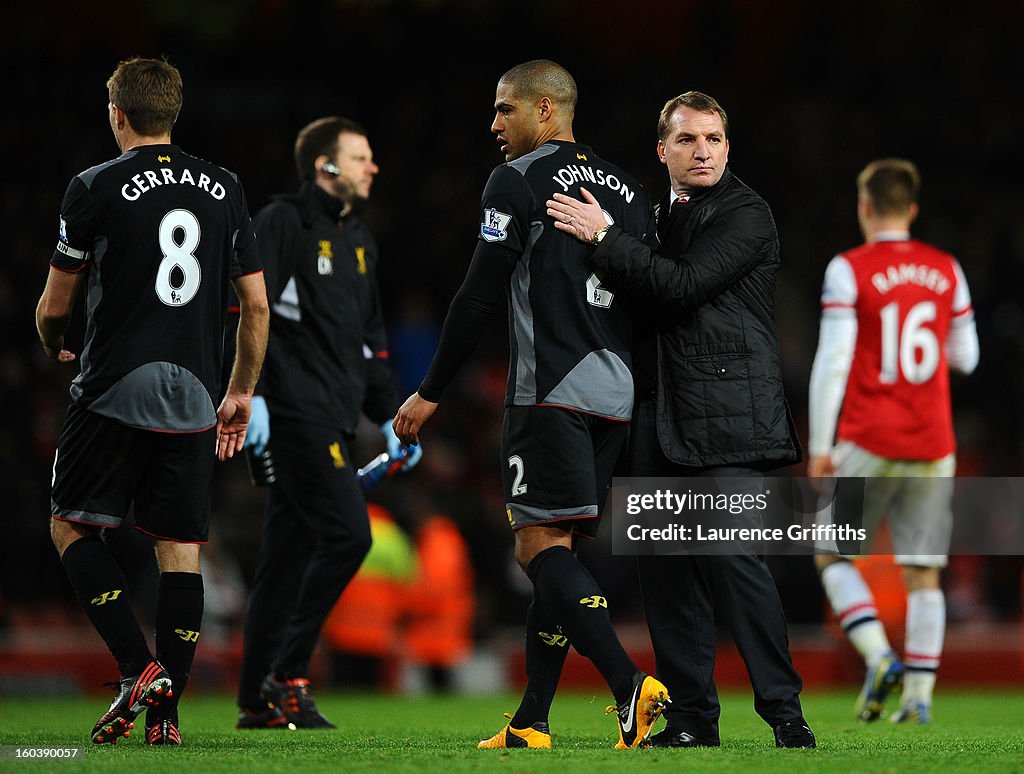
[813, 90]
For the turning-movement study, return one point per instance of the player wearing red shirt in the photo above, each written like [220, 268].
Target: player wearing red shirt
[896, 316]
[903, 295]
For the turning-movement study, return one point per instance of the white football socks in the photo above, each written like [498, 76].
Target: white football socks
[926, 629]
[853, 603]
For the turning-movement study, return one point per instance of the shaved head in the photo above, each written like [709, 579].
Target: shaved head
[542, 78]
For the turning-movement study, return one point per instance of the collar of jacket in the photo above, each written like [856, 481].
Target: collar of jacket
[312, 200]
[697, 197]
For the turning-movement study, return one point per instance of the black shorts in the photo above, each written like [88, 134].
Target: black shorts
[104, 467]
[557, 465]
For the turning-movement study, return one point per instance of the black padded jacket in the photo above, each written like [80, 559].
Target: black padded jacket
[711, 285]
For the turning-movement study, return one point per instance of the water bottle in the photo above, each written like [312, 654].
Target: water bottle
[261, 467]
[380, 467]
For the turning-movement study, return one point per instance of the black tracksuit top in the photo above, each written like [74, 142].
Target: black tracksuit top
[326, 359]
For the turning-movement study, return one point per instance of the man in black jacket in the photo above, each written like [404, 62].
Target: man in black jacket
[326, 365]
[710, 403]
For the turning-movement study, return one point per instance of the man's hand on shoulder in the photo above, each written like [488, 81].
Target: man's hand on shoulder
[584, 220]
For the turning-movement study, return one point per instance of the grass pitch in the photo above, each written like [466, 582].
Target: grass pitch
[977, 732]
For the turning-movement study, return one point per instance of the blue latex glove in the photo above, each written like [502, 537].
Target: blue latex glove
[259, 426]
[395, 446]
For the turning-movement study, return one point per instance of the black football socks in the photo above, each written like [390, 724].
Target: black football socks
[179, 614]
[571, 596]
[546, 649]
[102, 592]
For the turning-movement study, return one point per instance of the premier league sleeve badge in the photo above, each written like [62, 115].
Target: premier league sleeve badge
[494, 226]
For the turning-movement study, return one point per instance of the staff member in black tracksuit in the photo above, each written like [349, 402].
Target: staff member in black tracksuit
[326, 364]
[714, 406]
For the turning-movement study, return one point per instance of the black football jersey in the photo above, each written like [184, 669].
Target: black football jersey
[570, 336]
[161, 235]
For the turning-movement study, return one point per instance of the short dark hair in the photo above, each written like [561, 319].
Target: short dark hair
[891, 185]
[692, 99]
[149, 93]
[320, 138]
[543, 78]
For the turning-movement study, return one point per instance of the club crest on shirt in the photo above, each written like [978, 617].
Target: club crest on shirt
[325, 258]
[494, 224]
[336, 455]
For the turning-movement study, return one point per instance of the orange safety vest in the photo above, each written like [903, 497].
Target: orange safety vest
[441, 601]
[367, 617]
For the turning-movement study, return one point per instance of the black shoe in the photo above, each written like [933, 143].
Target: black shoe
[135, 694]
[294, 699]
[268, 717]
[794, 733]
[676, 737]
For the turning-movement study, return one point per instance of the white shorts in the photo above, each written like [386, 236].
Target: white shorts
[914, 497]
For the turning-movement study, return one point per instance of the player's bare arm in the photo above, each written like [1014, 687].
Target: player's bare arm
[253, 328]
[411, 417]
[820, 465]
[53, 313]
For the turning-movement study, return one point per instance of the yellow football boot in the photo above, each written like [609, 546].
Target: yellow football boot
[637, 716]
[537, 736]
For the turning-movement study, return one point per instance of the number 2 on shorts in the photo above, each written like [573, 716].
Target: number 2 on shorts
[518, 487]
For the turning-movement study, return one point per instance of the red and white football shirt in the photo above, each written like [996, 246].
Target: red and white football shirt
[905, 294]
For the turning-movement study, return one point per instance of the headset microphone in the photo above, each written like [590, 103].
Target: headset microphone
[331, 169]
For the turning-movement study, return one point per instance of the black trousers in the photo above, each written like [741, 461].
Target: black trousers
[316, 533]
[686, 596]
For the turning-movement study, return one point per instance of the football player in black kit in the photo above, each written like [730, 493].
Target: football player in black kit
[570, 389]
[155, 237]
